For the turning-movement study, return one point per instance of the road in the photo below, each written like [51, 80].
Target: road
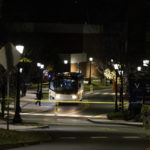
[90, 144]
[71, 129]
[93, 136]
[96, 104]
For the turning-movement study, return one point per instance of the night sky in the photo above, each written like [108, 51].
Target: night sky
[65, 11]
[121, 20]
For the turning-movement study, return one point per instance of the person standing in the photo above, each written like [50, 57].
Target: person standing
[39, 97]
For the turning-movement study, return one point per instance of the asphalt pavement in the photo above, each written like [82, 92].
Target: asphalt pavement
[99, 133]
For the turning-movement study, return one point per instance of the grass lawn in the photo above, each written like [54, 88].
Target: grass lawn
[125, 115]
[11, 138]
[45, 95]
[97, 85]
[34, 85]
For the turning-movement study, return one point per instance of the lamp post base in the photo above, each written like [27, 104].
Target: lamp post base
[17, 119]
[89, 81]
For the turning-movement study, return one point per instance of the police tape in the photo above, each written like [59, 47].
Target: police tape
[8, 98]
[84, 101]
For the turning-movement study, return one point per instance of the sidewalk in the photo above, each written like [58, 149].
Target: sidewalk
[119, 122]
[17, 127]
[101, 119]
[3, 125]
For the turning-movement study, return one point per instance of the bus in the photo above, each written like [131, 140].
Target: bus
[67, 86]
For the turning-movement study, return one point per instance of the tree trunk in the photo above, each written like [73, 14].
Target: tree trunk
[3, 91]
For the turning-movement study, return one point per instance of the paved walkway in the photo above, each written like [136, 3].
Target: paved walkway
[120, 122]
[3, 125]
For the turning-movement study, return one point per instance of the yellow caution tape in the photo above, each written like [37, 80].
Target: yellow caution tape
[57, 102]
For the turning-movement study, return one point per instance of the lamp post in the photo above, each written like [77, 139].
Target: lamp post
[17, 117]
[116, 87]
[66, 63]
[121, 90]
[38, 65]
[39, 89]
[42, 67]
[90, 60]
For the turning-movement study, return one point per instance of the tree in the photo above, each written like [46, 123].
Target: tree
[3, 90]
[100, 66]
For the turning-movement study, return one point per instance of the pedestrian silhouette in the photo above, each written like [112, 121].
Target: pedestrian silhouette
[39, 97]
[24, 89]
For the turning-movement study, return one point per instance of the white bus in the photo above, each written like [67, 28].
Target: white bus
[66, 86]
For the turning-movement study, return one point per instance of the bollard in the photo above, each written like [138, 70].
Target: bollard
[56, 107]
[146, 118]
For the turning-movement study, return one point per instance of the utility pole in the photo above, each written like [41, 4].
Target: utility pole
[116, 93]
[17, 117]
[121, 90]
[90, 60]
[3, 90]
[116, 87]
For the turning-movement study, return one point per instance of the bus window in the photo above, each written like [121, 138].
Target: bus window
[65, 85]
[68, 85]
[52, 85]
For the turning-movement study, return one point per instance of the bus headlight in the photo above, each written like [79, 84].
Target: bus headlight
[74, 97]
[57, 96]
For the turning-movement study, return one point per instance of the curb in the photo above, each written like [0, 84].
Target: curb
[3, 125]
[42, 127]
[117, 122]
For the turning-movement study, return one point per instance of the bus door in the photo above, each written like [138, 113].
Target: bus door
[51, 91]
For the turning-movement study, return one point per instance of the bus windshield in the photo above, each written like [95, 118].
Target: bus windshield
[66, 85]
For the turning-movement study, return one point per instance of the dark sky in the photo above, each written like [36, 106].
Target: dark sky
[113, 14]
[65, 11]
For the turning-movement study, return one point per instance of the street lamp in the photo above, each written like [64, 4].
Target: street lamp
[21, 70]
[66, 64]
[38, 64]
[139, 68]
[145, 63]
[17, 117]
[20, 48]
[90, 60]
[112, 60]
[116, 67]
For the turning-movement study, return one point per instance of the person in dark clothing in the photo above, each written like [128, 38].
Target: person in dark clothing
[24, 89]
[39, 97]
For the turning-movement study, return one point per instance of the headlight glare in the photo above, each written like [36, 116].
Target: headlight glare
[74, 96]
[57, 96]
